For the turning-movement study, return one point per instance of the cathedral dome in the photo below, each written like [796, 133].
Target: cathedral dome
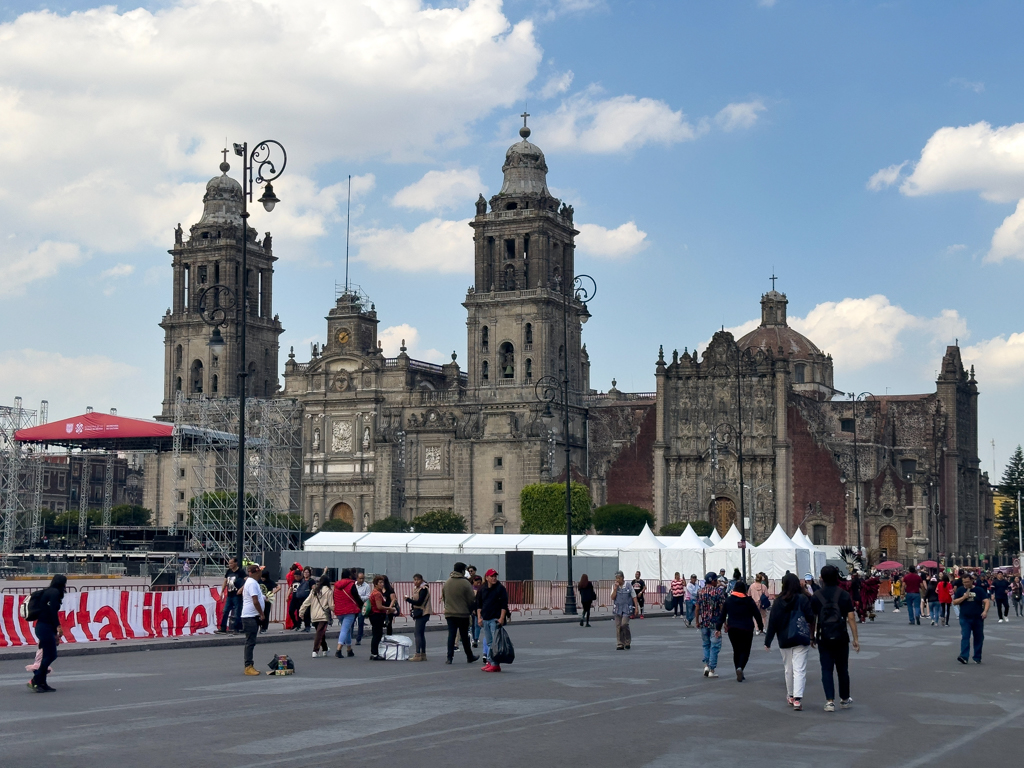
[526, 171]
[222, 203]
[774, 333]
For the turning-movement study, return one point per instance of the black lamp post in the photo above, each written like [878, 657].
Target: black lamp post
[584, 288]
[258, 167]
[856, 470]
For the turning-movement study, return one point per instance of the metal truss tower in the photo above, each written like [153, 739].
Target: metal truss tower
[13, 485]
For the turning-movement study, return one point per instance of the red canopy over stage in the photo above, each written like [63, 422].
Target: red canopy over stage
[109, 432]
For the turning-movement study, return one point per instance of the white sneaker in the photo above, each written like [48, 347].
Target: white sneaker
[846, 703]
[895, 610]
[712, 673]
[1000, 621]
[316, 655]
[707, 669]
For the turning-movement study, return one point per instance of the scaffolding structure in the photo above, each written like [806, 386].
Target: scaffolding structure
[17, 519]
[206, 477]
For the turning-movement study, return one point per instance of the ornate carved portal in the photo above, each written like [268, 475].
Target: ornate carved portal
[723, 514]
[342, 511]
[888, 541]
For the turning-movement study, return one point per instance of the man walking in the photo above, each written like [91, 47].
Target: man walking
[491, 611]
[459, 602]
[710, 599]
[234, 579]
[974, 603]
[364, 591]
[639, 588]
[1001, 593]
[912, 587]
[252, 615]
[690, 599]
[834, 615]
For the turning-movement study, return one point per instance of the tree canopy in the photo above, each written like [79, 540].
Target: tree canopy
[389, 525]
[621, 519]
[1006, 512]
[542, 508]
[439, 521]
[337, 526]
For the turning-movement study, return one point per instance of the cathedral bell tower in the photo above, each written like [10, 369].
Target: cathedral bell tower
[208, 282]
[524, 266]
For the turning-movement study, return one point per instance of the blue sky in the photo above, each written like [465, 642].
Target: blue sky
[871, 154]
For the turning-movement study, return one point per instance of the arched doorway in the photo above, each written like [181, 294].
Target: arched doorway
[723, 514]
[342, 511]
[888, 541]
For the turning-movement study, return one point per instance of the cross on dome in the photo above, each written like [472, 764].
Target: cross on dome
[525, 130]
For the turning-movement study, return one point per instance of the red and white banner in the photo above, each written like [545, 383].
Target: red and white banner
[113, 614]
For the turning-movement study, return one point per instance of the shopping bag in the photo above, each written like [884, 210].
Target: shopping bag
[502, 651]
[879, 605]
[669, 602]
[395, 647]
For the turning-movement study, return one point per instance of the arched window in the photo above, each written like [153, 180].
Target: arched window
[485, 371]
[177, 384]
[529, 333]
[177, 357]
[485, 336]
[197, 377]
[214, 384]
[529, 369]
[507, 361]
[799, 373]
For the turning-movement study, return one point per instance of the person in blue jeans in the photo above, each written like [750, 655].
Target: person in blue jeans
[912, 587]
[234, 580]
[974, 603]
[491, 612]
[710, 600]
[690, 601]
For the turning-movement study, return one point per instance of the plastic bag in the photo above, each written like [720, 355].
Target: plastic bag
[502, 651]
[669, 602]
[879, 605]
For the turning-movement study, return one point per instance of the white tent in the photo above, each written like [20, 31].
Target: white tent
[547, 544]
[725, 554]
[442, 543]
[683, 553]
[715, 537]
[376, 541]
[333, 541]
[603, 546]
[779, 554]
[818, 557]
[643, 554]
[492, 543]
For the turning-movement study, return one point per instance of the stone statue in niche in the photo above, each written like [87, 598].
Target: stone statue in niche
[267, 242]
[509, 282]
[481, 206]
[316, 439]
[316, 522]
[177, 234]
[366, 438]
[341, 437]
[432, 459]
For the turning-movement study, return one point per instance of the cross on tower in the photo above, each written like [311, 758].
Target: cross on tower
[773, 279]
[225, 153]
[524, 116]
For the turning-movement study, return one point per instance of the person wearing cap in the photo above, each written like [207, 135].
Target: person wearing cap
[710, 600]
[491, 612]
[253, 605]
[459, 601]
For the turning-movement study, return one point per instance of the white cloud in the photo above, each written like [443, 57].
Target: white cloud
[739, 115]
[393, 338]
[437, 245]
[955, 248]
[557, 84]
[118, 270]
[974, 157]
[886, 177]
[441, 190]
[588, 124]
[21, 268]
[971, 85]
[111, 119]
[997, 361]
[620, 243]
[71, 384]
[1008, 239]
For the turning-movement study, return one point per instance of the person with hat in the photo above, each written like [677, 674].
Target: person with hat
[491, 612]
[253, 606]
[459, 601]
[710, 601]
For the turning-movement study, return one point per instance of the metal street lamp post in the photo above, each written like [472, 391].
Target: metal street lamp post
[258, 167]
[584, 288]
[856, 471]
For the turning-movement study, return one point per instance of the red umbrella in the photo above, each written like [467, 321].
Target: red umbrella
[929, 564]
[889, 565]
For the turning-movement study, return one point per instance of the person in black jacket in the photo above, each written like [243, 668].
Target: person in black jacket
[794, 635]
[587, 598]
[740, 612]
[48, 631]
[491, 611]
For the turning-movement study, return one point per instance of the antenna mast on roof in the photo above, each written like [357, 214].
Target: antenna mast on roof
[348, 219]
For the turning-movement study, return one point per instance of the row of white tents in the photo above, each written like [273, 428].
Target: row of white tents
[656, 557]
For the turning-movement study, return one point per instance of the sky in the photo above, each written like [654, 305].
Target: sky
[871, 155]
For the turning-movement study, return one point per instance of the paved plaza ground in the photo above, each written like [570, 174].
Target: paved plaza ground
[570, 699]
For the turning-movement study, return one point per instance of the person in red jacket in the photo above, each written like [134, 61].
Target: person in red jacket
[293, 573]
[945, 590]
[347, 605]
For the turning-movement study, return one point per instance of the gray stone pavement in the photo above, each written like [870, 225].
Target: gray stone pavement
[570, 699]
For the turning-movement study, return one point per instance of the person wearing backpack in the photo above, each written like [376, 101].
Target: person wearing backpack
[48, 630]
[834, 614]
[347, 605]
[791, 620]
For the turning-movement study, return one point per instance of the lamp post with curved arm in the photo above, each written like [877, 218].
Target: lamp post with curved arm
[262, 165]
[584, 288]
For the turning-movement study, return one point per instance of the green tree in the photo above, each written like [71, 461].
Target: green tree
[340, 526]
[1006, 514]
[542, 508]
[673, 529]
[130, 514]
[621, 519]
[389, 525]
[702, 527]
[439, 521]
[68, 521]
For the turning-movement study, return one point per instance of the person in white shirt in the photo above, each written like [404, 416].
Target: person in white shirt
[252, 615]
[364, 591]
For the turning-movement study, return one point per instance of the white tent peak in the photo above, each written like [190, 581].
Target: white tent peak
[730, 539]
[779, 540]
[687, 540]
[715, 536]
[802, 540]
[646, 540]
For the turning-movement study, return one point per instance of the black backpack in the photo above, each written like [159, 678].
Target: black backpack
[32, 607]
[831, 621]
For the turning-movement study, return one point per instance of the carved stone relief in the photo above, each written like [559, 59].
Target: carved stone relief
[341, 437]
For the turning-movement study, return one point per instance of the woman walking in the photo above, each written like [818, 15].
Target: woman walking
[739, 613]
[1017, 595]
[319, 606]
[379, 610]
[759, 594]
[944, 590]
[932, 596]
[419, 609]
[791, 620]
[49, 631]
[678, 588]
[624, 602]
[587, 598]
